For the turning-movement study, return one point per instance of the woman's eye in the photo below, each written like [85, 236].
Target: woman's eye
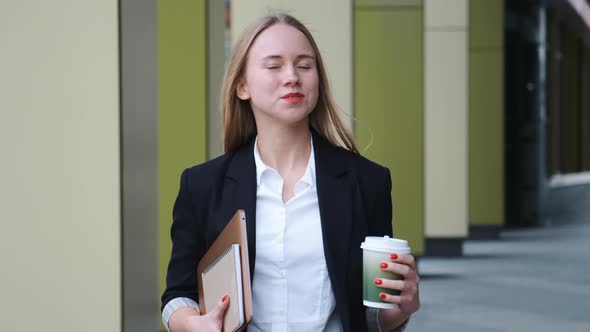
[273, 67]
[304, 67]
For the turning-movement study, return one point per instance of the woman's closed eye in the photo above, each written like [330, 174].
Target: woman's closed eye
[304, 65]
[275, 66]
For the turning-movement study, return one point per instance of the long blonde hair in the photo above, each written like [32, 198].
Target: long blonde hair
[238, 120]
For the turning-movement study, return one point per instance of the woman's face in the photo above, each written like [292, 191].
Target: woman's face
[281, 79]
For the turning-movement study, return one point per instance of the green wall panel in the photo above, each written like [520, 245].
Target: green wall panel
[486, 149]
[389, 108]
[486, 28]
[182, 99]
[486, 113]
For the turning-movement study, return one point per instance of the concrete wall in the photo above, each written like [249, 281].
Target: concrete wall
[60, 187]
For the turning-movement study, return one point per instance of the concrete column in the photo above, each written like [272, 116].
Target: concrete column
[139, 157]
[60, 192]
[586, 110]
[330, 22]
[570, 114]
[216, 59]
[445, 120]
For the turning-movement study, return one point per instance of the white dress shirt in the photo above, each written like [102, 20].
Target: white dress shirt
[291, 290]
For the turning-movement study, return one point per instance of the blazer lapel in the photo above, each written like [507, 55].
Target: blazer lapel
[334, 186]
[239, 192]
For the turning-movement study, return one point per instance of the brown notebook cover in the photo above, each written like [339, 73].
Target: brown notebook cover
[233, 233]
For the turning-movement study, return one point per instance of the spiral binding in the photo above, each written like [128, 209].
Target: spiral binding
[225, 252]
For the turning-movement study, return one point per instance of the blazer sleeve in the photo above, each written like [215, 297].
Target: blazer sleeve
[380, 222]
[188, 246]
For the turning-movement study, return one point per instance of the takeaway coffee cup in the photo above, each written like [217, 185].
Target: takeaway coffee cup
[376, 250]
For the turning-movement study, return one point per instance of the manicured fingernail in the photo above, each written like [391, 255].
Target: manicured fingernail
[383, 265]
[225, 298]
[382, 296]
[393, 256]
[378, 281]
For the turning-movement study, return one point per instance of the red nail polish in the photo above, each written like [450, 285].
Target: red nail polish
[225, 298]
[393, 256]
[383, 265]
[382, 296]
[378, 281]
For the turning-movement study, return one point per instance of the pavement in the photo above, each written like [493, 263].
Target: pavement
[535, 279]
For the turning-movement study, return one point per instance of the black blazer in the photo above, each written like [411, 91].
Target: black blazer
[354, 201]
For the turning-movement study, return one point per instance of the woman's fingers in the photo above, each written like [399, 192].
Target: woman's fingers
[409, 304]
[405, 259]
[219, 310]
[408, 300]
[399, 285]
[405, 271]
[404, 266]
[397, 299]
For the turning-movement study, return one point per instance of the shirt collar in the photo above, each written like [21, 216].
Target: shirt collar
[307, 178]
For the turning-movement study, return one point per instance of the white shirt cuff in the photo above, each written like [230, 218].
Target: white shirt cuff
[175, 304]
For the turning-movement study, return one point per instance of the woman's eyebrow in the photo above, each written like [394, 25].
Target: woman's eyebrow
[279, 57]
[272, 57]
[305, 56]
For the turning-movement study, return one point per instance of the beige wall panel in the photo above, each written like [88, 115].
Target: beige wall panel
[447, 13]
[388, 3]
[60, 192]
[446, 133]
[333, 35]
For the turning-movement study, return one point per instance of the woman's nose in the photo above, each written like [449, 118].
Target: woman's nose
[291, 76]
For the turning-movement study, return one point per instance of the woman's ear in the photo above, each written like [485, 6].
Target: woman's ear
[242, 90]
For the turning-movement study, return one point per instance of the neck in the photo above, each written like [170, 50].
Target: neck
[285, 148]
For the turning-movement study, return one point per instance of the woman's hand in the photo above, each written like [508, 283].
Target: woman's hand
[408, 301]
[188, 319]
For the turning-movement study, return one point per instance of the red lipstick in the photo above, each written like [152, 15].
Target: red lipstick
[293, 97]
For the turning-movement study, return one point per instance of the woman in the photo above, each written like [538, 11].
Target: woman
[309, 202]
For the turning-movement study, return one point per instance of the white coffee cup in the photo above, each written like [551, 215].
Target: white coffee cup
[375, 251]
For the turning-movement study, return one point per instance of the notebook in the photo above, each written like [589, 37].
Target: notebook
[225, 270]
[224, 277]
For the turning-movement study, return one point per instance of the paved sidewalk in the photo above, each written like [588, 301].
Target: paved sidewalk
[536, 279]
